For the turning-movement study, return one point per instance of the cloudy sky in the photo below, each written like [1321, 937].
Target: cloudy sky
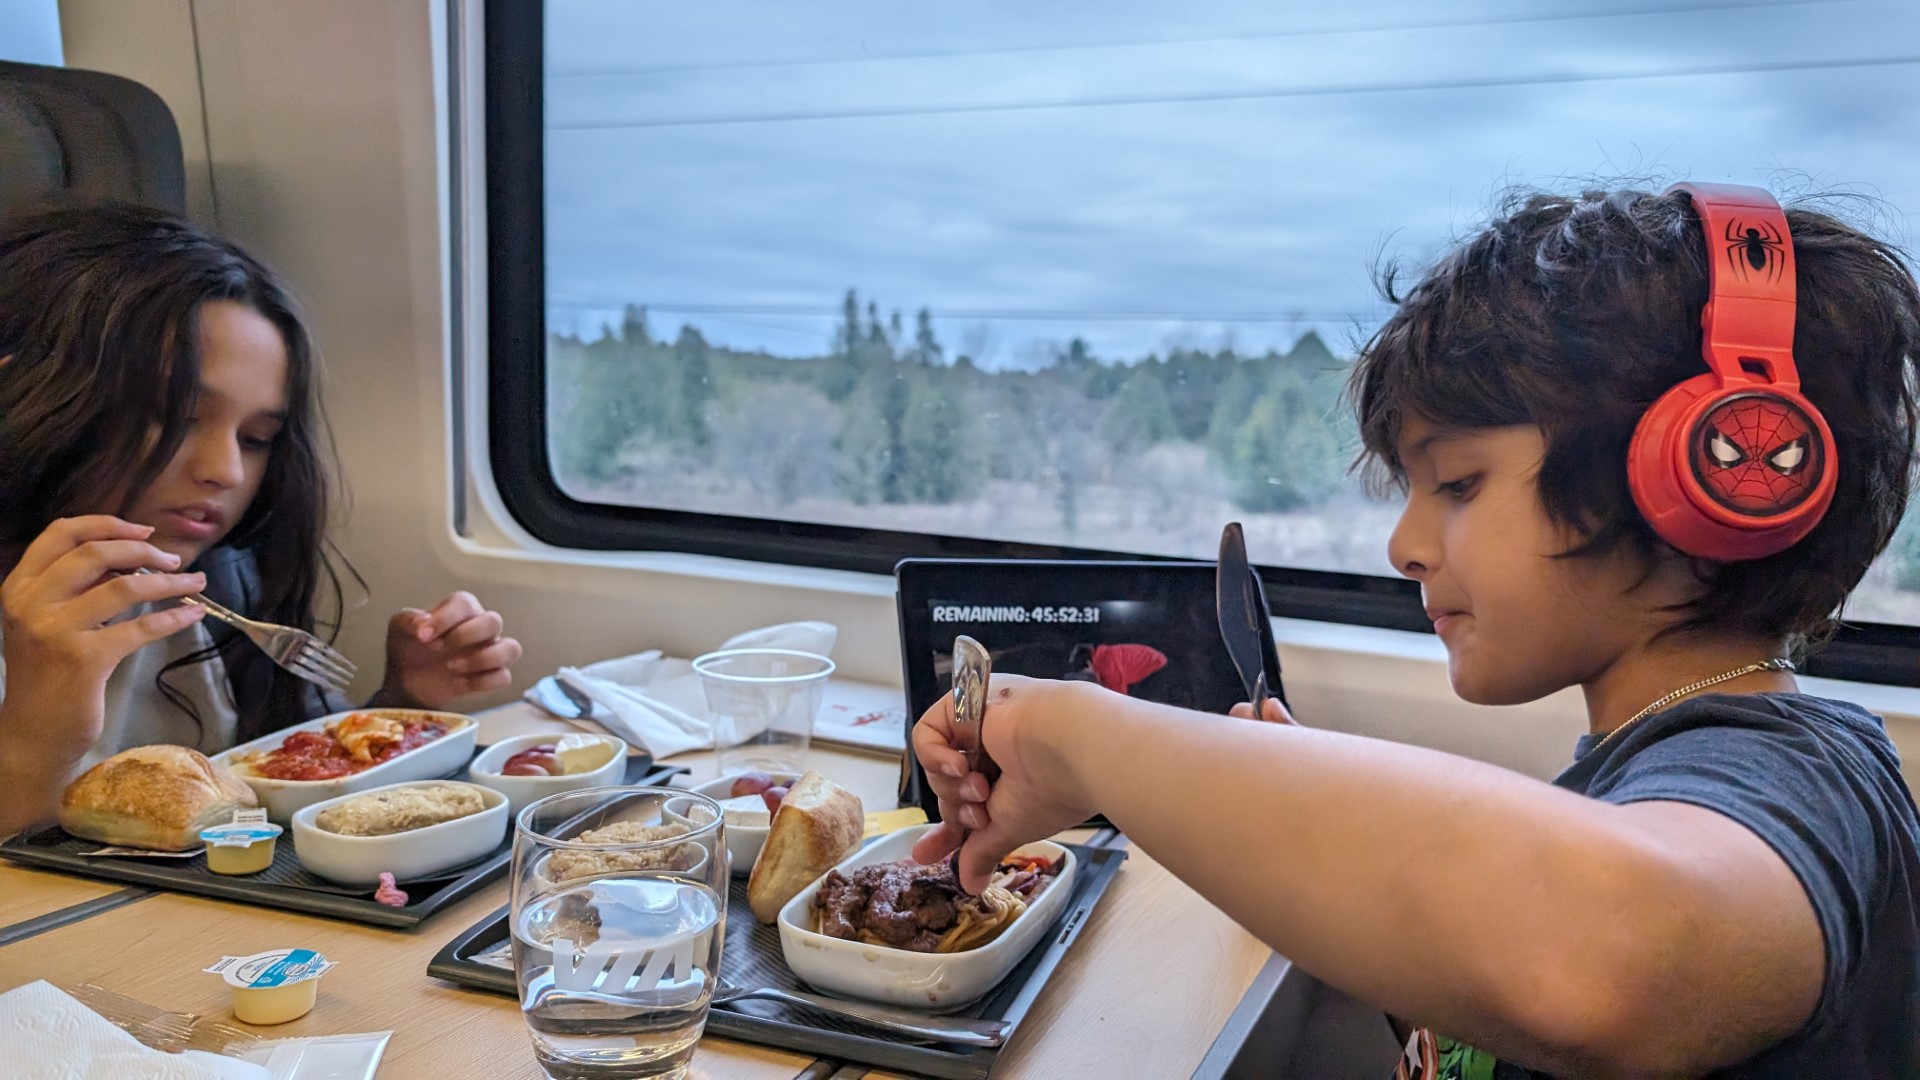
[1152, 173]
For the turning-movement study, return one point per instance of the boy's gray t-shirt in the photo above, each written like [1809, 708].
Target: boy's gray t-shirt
[1820, 782]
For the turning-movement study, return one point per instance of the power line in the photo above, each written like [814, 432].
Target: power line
[986, 314]
[1299, 32]
[1219, 96]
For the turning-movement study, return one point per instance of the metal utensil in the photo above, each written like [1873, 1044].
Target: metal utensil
[562, 699]
[293, 649]
[965, 1031]
[972, 670]
[1242, 603]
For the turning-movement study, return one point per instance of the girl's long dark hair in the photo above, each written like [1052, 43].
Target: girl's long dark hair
[99, 312]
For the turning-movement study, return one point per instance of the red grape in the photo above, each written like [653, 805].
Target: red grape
[753, 783]
[538, 761]
[772, 796]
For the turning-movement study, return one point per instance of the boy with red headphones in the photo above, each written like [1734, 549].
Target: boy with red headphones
[1649, 444]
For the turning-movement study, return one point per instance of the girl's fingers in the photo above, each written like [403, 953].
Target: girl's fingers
[114, 596]
[477, 630]
[83, 567]
[121, 639]
[497, 679]
[492, 657]
[61, 537]
[448, 614]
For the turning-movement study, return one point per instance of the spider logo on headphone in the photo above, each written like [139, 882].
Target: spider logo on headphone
[1755, 248]
[1757, 455]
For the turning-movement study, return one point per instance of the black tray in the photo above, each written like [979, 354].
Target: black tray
[752, 957]
[286, 884]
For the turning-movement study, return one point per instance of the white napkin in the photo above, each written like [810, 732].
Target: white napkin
[45, 1034]
[657, 702]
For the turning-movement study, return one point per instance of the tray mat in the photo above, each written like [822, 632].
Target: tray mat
[752, 957]
[286, 873]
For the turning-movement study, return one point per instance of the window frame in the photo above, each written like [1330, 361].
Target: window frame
[517, 431]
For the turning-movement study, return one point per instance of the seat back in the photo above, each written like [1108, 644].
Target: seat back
[70, 136]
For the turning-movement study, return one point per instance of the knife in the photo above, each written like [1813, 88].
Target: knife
[1242, 604]
[972, 670]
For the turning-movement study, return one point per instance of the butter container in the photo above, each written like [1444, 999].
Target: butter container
[273, 987]
[240, 848]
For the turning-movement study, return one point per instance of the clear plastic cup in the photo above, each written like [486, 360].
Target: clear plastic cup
[619, 909]
[762, 703]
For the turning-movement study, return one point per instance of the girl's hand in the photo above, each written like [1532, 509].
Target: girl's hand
[437, 657]
[1034, 797]
[60, 645]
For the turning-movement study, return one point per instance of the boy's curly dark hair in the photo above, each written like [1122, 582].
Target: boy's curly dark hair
[1575, 314]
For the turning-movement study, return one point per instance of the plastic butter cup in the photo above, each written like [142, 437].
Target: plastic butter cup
[273, 987]
[240, 848]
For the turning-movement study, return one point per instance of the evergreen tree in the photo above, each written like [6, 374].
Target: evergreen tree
[926, 347]
[1137, 415]
[633, 326]
[1284, 455]
[692, 382]
[841, 370]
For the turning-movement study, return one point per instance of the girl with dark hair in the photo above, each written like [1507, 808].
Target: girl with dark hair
[159, 410]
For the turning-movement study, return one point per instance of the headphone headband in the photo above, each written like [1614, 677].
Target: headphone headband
[1747, 325]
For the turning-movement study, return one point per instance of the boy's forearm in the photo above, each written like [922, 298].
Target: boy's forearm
[1495, 890]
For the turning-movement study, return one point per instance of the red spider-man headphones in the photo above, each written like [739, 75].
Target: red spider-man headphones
[1737, 464]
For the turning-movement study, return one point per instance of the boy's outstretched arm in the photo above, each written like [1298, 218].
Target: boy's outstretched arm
[1546, 927]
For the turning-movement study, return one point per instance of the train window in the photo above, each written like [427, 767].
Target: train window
[30, 32]
[838, 283]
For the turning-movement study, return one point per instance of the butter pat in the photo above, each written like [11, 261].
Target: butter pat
[882, 822]
[273, 987]
[240, 848]
[747, 810]
[578, 753]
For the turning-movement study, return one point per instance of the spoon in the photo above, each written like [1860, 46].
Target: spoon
[963, 1030]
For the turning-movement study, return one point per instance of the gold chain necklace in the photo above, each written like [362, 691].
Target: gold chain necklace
[1694, 688]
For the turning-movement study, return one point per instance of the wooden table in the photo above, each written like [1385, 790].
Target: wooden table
[1153, 977]
[26, 894]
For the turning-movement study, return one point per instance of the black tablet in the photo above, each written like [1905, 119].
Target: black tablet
[1147, 629]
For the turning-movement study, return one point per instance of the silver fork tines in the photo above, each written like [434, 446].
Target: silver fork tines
[295, 650]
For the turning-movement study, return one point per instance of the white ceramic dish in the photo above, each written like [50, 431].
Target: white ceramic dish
[521, 791]
[359, 860]
[442, 757]
[932, 981]
[743, 841]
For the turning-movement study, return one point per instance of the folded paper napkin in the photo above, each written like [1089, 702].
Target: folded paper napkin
[45, 1034]
[657, 702]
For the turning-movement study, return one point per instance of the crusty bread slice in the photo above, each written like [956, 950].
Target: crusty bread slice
[818, 824]
[156, 797]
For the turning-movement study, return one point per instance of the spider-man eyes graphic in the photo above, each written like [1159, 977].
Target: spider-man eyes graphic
[1757, 455]
[1755, 248]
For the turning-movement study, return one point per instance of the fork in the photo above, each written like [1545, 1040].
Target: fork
[295, 650]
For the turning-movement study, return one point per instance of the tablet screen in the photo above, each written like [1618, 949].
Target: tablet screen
[1148, 630]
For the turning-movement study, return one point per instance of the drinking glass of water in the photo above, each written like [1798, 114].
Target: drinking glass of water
[619, 910]
[762, 703]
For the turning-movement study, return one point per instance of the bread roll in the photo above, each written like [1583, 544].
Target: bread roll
[818, 824]
[155, 797]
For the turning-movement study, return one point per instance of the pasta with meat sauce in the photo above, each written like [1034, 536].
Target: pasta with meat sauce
[905, 905]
